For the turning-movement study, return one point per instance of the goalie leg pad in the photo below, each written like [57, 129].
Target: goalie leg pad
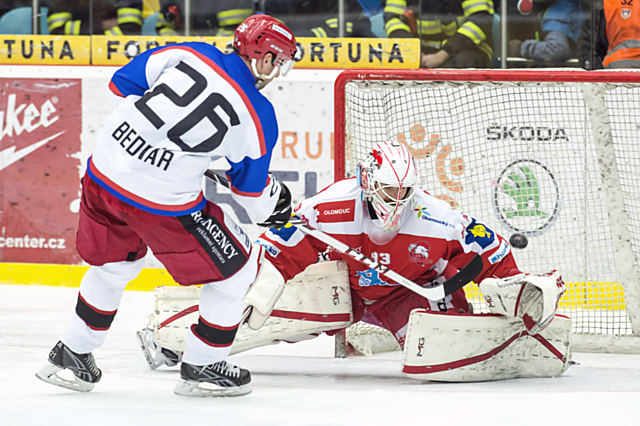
[472, 348]
[175, 309]
[317, 300]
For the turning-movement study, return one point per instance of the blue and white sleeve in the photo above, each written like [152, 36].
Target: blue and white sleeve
[253, 187]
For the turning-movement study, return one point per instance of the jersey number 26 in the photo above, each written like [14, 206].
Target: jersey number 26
[202, 111]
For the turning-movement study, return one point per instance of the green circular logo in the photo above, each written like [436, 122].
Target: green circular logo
[526, 198]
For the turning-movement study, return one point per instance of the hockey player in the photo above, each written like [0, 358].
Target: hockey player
[182, 106]
[385, 215]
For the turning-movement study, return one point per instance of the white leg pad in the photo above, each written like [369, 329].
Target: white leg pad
[316, 300]
[174, 310]
[472, 348]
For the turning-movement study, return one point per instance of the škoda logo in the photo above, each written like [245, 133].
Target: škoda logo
[526, 198]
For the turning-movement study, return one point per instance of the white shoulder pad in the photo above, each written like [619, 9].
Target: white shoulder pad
[482, 347]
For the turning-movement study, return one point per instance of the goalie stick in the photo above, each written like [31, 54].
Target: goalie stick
[453, 284]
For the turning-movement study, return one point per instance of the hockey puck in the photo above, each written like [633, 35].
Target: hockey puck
[518, 241]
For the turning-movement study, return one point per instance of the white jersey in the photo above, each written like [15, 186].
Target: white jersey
[433, 242]
[184, 106]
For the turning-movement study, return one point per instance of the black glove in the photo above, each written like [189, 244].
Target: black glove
[282, 212]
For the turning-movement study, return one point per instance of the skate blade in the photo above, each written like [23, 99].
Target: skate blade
[49, 374]
[196, 389]
[145, 341]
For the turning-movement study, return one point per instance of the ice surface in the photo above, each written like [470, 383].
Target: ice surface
[293, 384]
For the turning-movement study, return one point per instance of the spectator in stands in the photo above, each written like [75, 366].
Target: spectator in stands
[208, 18]
[617, 41]
[110, 17]
[558, 23]
[318, 18]
[455, 34]
[371, 7]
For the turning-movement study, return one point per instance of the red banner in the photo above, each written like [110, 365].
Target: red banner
[40, 126]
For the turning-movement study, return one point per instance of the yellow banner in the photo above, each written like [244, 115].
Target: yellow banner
[45, 50]
[358, 53]
[312, 52]
[114, 50]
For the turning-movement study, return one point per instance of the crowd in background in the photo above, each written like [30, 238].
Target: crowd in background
[454, 33]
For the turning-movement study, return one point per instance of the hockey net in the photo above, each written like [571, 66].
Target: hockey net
[553, 155]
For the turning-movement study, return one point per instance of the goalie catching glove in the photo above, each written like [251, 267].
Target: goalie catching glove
[282, 212]
[533, 298]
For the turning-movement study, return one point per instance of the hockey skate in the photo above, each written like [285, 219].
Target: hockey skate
[83, 366]
[215, 380]
[155, 355]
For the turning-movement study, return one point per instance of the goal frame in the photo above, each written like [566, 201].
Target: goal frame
[455, 75]
[586, 342]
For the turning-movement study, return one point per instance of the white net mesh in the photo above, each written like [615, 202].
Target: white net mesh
[522, 158]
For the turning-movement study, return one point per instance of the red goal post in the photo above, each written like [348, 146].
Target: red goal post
[551, 154]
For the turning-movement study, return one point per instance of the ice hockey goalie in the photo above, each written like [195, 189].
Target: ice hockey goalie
[384, 214]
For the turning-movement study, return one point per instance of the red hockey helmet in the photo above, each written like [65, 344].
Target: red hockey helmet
[261, 34]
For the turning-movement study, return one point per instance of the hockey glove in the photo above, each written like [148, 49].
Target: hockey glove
[533, 298]
[282, 213]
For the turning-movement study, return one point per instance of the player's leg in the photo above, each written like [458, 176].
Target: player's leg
[209, 341]
[207, 248]
[105, 241]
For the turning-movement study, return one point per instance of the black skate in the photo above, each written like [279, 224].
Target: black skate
[154, 354]
[83, 366]
[219, 379]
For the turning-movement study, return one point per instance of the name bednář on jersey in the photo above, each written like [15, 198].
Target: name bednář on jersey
[433, 242]
[184, 106]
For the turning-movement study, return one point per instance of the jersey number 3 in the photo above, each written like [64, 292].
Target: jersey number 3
[202, 111]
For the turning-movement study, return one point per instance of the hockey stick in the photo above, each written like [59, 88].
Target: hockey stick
[453, 284]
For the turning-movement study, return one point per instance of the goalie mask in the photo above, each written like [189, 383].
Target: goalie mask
[388, 178]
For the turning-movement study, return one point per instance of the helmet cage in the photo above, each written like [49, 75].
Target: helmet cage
[282, 66]
[388, 170]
